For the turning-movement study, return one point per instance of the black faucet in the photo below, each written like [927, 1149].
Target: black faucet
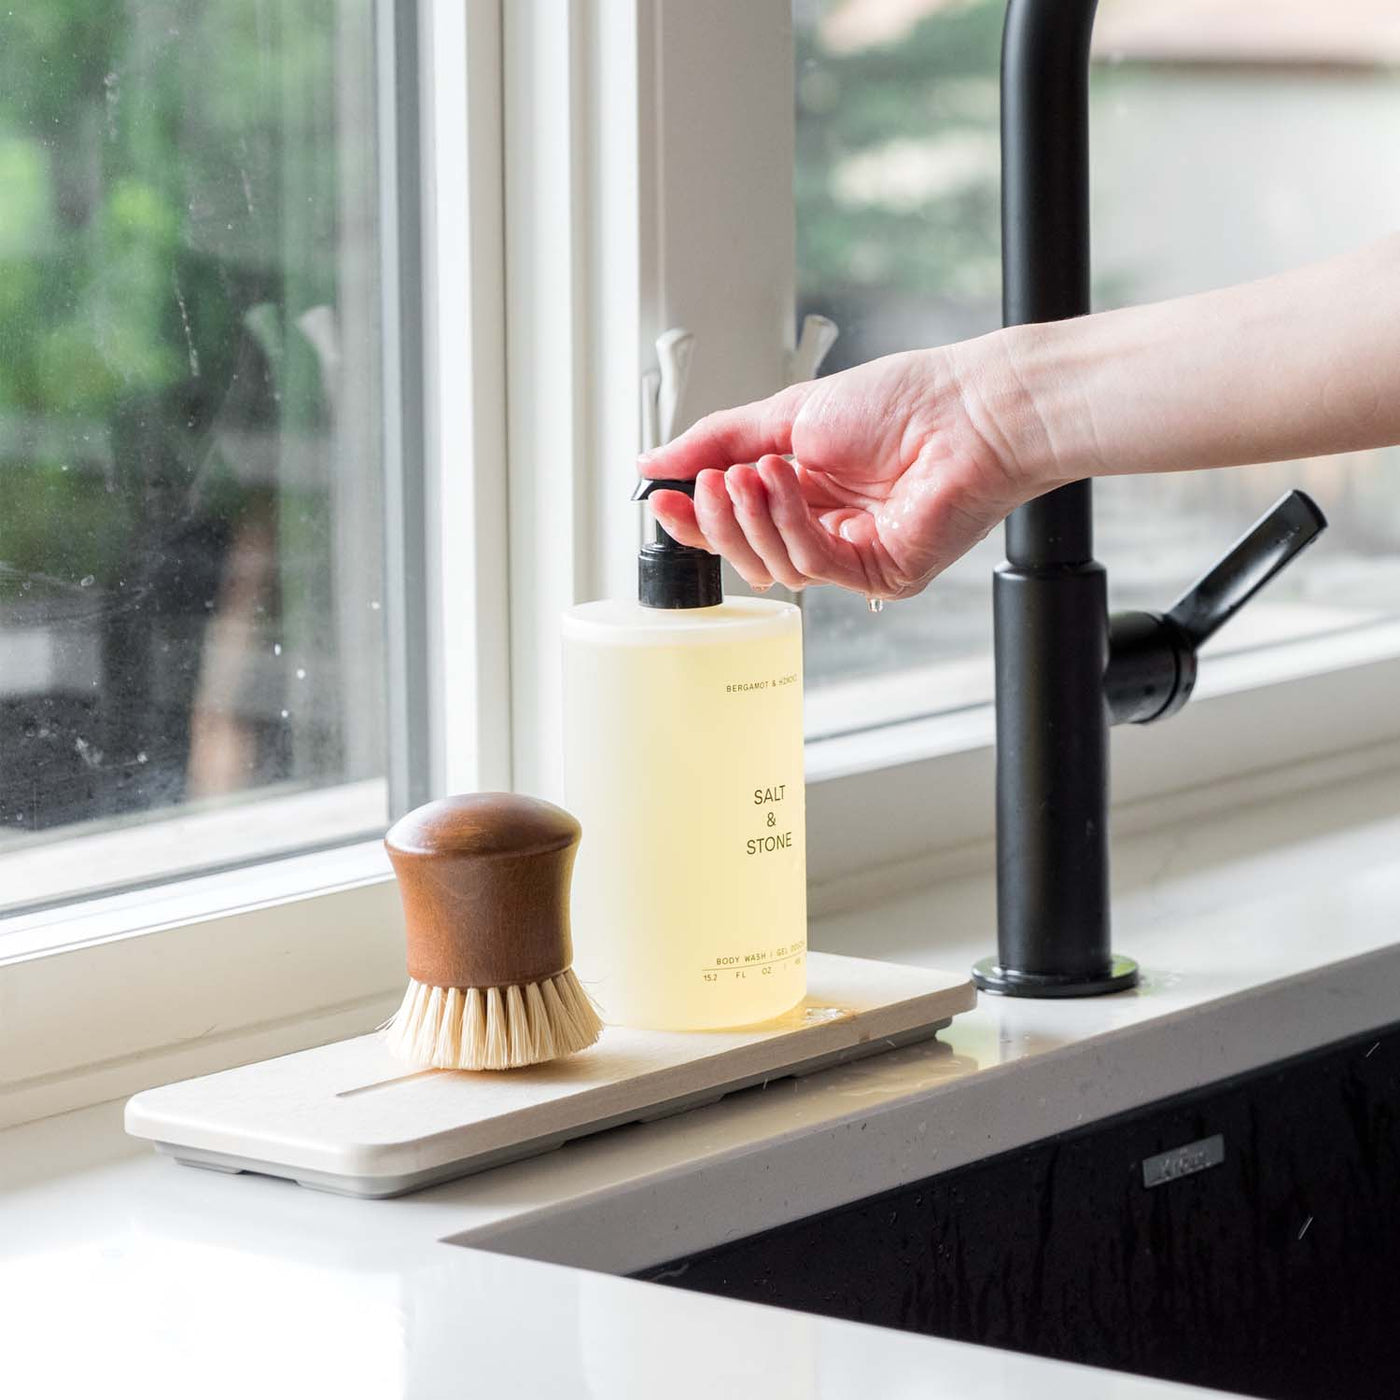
[1065, 671]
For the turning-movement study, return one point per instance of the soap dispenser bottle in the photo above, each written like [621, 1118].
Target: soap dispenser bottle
[683, 762]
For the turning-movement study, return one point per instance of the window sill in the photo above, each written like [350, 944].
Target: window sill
[227, 968]
[902, 805]
[148, 986]
[840, 707]
[175, 845]
[180, 903]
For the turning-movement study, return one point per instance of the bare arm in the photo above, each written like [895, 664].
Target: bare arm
[900, 465]
[1297, 365]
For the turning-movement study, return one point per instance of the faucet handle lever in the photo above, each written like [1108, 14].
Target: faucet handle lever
[1152, 658]
[1272, 542]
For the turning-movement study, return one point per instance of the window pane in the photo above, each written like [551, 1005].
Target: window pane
[190, 485]
[1230, 139]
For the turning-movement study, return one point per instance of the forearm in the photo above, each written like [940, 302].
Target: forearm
[1299, 365]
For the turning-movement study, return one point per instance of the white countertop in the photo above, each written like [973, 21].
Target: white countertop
[1263, 933]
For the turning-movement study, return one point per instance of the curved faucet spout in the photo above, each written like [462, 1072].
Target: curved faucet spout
[1045, 223]
[1045, 159]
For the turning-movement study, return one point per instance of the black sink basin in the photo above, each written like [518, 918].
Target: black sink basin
[1245, 1236]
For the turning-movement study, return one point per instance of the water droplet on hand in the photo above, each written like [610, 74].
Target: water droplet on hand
[875, 604]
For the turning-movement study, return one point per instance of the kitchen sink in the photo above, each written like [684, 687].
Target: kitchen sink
[1244, 1236]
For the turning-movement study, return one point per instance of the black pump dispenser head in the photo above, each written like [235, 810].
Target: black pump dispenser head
[670, 574]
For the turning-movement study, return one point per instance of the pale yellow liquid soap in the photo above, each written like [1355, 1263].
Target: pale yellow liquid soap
[683, 762]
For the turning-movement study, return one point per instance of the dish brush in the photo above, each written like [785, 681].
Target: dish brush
[484, 880]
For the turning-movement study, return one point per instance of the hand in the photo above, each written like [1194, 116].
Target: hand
[889, 480]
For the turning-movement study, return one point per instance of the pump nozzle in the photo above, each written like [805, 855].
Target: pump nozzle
[647, 485]
[670, 574]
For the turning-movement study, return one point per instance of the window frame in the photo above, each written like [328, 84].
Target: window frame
[114, 993]
[580, 196]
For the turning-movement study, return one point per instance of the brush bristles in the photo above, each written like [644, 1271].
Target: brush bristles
[493, 1027]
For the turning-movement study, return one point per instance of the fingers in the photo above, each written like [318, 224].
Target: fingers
[749, 494]
[675, 513]
[730, 516]
[819, 554]
[715, 514]
[760, 520]
[729, 436]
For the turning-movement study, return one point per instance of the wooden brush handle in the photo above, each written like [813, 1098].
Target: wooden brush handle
[485, 886]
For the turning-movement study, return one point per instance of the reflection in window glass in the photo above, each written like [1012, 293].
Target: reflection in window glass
[190, 516]
[1230, 139]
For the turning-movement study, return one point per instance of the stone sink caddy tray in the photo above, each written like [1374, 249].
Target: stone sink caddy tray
[349, 1118]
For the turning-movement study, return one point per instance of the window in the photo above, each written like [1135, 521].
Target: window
[304, 468]
[1230, 139]
[488, 213]
[192, 576]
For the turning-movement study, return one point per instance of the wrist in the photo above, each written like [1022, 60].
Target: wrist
[1011, 391]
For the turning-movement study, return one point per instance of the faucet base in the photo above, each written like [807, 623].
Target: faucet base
[1122, 974]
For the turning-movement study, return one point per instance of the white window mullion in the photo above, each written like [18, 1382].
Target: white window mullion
[545, 111]
[464, 389]
[621, 230]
